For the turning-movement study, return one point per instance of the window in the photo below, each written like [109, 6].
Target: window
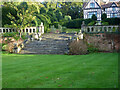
[91, 13]
[113, 9]
[92, 5]
[113, 15]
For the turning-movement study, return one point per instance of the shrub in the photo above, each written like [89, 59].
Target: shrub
[105, 23]
[92, 23]
[4, 47]
[67, 17]
[92, 49]
[10, 47]
[112, 21]
[76, 23]
[94, 17]
[78, 47]
[104, 16]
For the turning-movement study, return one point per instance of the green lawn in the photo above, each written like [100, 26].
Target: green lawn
[70, 30]
[98, 70]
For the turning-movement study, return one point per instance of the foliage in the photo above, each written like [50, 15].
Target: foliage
[4, 47]
[92, 23]
[10, 34]
[5, 11]
[112, 21]
[104, 16]
[92, 49]
[78, 47]
[76, 23]
[25, 14]
[67, 18]
[94, 17]
[105, 23]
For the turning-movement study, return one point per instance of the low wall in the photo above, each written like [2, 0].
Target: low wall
[26, 30]
[103, 41]
[100, 28]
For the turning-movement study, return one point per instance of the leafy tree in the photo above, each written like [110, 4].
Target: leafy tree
[67, 18]
[23, 20]
[58, 15]
[43, 10]
[94, 17]
[104, 16]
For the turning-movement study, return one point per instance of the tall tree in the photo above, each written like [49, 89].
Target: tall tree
[23, 20]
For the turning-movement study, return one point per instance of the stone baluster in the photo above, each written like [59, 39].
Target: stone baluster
[107, 28]
[90, 29]
[111, 30]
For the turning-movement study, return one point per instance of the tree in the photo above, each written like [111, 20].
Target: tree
[23, 20]
[94, 17]
[104, 16]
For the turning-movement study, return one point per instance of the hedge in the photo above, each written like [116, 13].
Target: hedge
[112, 21]
[76, 23]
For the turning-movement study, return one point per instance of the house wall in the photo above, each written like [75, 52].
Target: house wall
[109, 11]
[99, 12]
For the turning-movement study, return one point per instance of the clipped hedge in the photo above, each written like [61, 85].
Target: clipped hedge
[112, 21]
[76, 23]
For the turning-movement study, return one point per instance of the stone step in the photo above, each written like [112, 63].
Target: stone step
[50, 44]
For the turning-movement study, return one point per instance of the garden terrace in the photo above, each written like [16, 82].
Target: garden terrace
[100, 28]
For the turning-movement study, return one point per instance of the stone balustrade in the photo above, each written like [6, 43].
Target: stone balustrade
[100, 28]
[39, 29]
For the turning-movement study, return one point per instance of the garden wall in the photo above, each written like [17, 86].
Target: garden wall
[103, 41]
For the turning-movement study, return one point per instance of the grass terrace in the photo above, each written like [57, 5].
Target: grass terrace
[98, 70]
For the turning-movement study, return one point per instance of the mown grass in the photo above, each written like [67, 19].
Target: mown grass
[98, 70]
[70, 30]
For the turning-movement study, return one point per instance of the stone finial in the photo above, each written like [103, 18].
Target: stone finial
[83, 22]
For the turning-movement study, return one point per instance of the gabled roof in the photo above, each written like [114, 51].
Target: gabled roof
[86, 3]
[110, 4]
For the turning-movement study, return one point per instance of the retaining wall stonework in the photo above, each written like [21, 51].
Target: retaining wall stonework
[104, 42]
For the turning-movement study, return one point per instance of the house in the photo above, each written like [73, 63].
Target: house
[98, 7]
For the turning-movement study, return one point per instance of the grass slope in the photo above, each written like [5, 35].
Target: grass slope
[99, 70]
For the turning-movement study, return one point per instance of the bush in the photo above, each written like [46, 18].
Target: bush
[78, 48]
[104, 16]
[94, 17]
[92, 49]
[4, 47]
[10, 47]
[112, 21]
[76, 23]
[67, 18]
[105, 23]
[10, 34]
[92, 23]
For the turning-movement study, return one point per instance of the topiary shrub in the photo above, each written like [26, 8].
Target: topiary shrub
[94, 17]
[104, 16]
[78, 48]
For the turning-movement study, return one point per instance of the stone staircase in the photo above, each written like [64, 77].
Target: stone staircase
[50, 44]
